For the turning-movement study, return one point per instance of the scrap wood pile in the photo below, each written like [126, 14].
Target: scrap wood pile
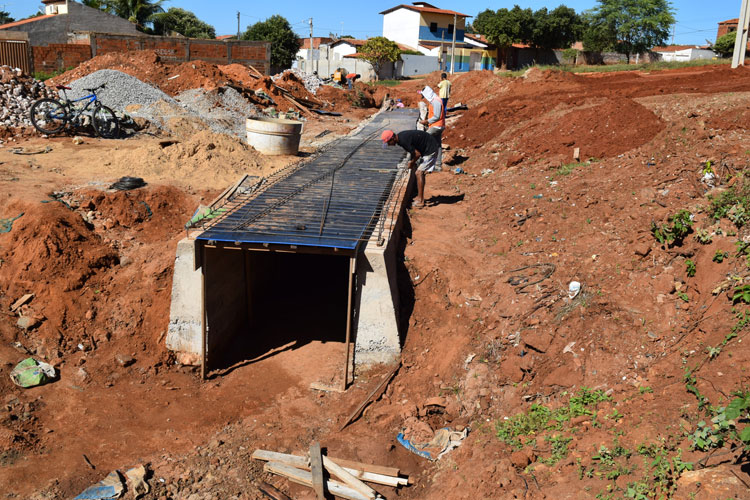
[317, 471]
[294, 91]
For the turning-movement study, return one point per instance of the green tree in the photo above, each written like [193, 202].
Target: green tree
[284, 41]
[506, 27]
[630, 26]
[724, 46]
[5, 17]
[481, 21]
[183, 22]
[379, 50]
[139, 12]
[558, 29]
[96, 4]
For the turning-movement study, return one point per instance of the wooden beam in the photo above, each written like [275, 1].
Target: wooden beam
[388, 476]
[348, 478]
[316, 469]
[352, 269]
[271, 492]
[373, 396]
[283, 458]
[305, 478]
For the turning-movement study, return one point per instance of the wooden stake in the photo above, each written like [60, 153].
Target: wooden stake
[352, 267]
[316, 468]
[374, 395]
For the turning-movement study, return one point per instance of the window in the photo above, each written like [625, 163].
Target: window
[450, 29]
[433, 27]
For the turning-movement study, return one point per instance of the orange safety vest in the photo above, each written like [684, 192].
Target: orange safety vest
[441, 121]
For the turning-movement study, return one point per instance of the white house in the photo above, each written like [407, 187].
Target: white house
[684, 53]
[431, 30]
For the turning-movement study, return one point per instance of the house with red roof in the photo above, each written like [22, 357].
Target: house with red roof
[437, 32]
[62, 17]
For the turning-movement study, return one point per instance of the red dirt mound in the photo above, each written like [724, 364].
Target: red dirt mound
[53, 253]
[604, 130]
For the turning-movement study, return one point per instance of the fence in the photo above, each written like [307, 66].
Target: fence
[15, 51]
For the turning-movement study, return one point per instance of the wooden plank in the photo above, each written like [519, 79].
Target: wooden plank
[347, 478]
[375, 469]
[252, 68]
[21, 301]
[387, 476]
[283, 458]
[271, 492]
[373, 396]
[305, 478]
[371, 477]
[316, 469]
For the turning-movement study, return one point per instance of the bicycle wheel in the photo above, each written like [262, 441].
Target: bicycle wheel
[105, 122]
[48, 116]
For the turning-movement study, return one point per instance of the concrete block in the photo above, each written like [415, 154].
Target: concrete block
[185, 330]
[377, 338]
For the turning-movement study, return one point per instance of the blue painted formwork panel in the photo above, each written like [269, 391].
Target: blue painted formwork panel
[330, 201]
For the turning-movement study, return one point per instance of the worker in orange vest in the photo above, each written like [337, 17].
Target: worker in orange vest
[435, 121]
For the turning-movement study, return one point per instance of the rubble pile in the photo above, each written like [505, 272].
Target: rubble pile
[312, 82]
[18, 93]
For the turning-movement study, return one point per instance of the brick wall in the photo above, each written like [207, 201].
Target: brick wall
[726, 27]
[83, 46]
[59, 56]
[257, 54]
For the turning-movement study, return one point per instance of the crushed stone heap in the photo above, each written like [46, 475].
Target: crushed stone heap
[18, 94]
[312, 82]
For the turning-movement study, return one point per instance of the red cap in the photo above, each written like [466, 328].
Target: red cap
[386, 135]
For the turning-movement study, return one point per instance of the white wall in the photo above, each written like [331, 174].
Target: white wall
[342, 49]
[413, 65]
[687, 55]
[402, 26]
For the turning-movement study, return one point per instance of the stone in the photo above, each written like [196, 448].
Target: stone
[537, 340]
[27, 323]
[521, 458]
[642, 249]
[124, 359]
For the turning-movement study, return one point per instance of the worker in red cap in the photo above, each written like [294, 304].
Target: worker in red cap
[422, 150]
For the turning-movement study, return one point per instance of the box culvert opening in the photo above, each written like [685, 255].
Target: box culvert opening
[259, 302]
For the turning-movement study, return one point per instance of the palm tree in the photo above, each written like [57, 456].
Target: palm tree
[139, 12]
[96, 4]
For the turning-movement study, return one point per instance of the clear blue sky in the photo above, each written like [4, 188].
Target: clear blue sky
[696, 19]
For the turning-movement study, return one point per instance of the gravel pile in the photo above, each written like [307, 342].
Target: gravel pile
[17, 94]
[312, 82]
[224, 109]
[122, 90]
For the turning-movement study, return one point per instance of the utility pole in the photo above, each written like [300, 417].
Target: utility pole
[674, 29]
[310, 49]
[453, 45]
[740, 44]
[442, 57]
[238, 25]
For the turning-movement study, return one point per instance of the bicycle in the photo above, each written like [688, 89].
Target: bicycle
[50, 116]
